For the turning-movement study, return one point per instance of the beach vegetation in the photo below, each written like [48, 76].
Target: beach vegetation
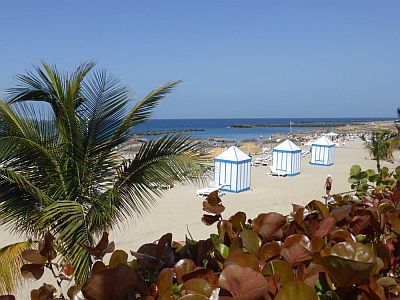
[378, 145]
[346, 249]
[10, 263]
[363, 181]
[60, 168]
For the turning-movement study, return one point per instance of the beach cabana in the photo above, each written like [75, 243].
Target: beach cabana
[233, 170]
[286, 158]
[322, 152]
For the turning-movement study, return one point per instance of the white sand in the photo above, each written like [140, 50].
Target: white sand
[180, 209]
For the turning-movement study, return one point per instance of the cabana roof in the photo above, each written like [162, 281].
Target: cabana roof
[233, 153]
[323, 141]
[287, 146]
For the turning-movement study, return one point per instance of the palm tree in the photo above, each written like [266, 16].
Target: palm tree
[394, 142]
[59, 168]
[378, 146]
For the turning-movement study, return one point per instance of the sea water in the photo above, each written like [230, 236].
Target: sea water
[221, 127]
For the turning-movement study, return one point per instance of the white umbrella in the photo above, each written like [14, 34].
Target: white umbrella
[332, 134]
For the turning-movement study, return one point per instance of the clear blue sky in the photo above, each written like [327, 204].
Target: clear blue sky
[237, 58]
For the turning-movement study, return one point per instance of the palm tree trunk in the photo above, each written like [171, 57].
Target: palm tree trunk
[378, 165]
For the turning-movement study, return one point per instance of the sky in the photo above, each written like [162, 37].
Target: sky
[237, 59]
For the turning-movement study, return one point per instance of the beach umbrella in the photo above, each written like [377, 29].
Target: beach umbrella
[332, 134]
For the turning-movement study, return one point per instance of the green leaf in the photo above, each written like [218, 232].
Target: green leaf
[198, 285]
[251, 241]
[222, 249]
[119, 257]
[349, 263]
[280, 267]
[296, 290]
[355, 170]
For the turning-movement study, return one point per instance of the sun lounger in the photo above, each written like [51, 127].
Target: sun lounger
[275, 172]
[204, 192]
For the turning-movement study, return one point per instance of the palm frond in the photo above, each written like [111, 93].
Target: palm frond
[10, 265]
[67, 221]
[143, 109]
[159, 162]
[20, 202]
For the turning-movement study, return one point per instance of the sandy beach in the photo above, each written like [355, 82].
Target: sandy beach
[179, 211]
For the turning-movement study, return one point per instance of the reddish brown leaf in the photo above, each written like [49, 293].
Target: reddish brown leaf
[45, 292]
[325, 227]
[299, 215]
[243, 259]
[213, 209]
[156, 255]
[46, 247]
[72, 291]
[210, 219]
[296, 249]
[206, 274]
[341, 212]
[243, 283]
[225, 228]
[68, 270]
[195, 297]
[311, 274]
[164, 283]
[364, 222]
[270, 250]
[111, 284]
[99, 249]
[395, 221]
[183, 267]
[98, 267]
[269, 225]
[317, 243]
[321, 207]
[213, 198]
[34, 256]
[238, 220]
[32, 271]
[341, 235]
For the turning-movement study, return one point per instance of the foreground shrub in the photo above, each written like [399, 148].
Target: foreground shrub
[347, 249]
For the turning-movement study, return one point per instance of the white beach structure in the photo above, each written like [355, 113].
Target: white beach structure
[286, 158]
[322, 152]
[233, 170]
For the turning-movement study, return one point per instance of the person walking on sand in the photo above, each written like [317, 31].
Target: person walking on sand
[328, 186]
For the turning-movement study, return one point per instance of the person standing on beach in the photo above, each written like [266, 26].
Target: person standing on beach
[328, 186]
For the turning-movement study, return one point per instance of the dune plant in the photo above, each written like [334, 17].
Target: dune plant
[60, 168]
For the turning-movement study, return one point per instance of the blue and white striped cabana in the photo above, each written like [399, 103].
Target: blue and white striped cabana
[322, 152]
[233, 169]
[286, 158]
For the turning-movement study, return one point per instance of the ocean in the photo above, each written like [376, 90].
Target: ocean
[221, 127]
